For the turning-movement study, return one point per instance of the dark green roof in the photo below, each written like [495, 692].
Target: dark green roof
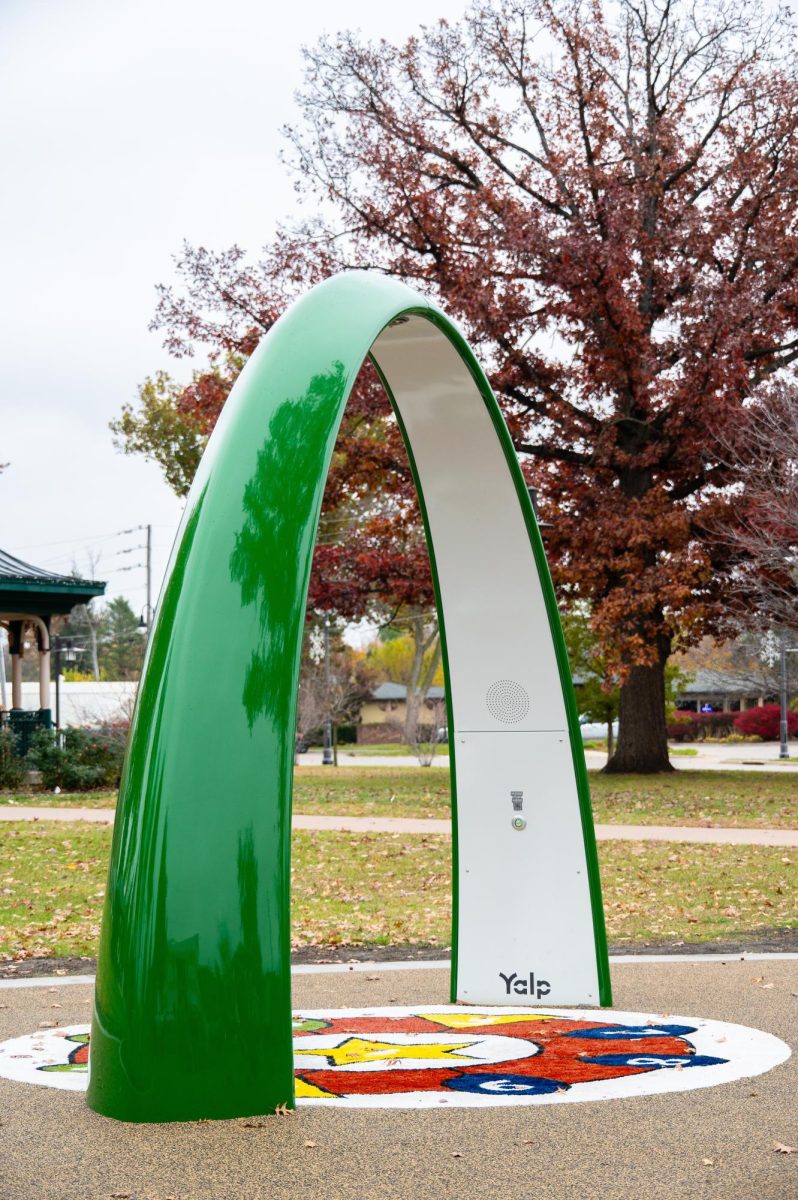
[28, 589]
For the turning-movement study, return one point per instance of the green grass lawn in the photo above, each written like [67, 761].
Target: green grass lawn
[731, 798]
[378, 750]
[62, 800]
[736, 799]
[383, 889]
[373, 791]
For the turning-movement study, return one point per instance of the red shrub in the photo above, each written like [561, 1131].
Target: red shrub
[683, 727]
[715, 724]
[764, 722]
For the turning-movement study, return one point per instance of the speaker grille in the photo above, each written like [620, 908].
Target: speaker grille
[507, 701]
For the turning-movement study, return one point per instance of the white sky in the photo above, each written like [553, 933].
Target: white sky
[126, 127]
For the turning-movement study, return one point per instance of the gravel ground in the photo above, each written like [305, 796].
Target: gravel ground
[54, 1148]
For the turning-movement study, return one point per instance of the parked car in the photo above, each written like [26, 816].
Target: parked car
[595, 729]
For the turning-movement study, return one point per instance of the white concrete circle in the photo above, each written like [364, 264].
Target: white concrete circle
[468, 1056]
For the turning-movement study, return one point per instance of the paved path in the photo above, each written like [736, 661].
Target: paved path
[698, 833]
[712, 756]
[707, 835]
[731, 757]
[716, 1144]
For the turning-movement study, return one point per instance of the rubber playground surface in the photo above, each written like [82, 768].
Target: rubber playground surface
[706, 1141]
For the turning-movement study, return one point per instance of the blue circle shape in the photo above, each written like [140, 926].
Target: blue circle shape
[505, 1085]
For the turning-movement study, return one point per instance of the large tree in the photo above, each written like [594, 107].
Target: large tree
[607, 203]
[763, 535]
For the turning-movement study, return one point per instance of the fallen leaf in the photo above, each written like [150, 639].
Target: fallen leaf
[456, 1154]
[708, 1162]
[310, 1145]
[780, 1148]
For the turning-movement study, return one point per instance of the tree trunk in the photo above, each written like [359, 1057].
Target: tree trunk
[610, 740]
[418, 684]
[643, 736]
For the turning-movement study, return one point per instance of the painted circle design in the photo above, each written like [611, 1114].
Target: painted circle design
[430, 1056]
[507, 701]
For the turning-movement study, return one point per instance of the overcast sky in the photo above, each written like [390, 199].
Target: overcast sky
[126, 127]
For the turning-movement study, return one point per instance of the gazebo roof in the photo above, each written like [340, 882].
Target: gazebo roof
[28, 589]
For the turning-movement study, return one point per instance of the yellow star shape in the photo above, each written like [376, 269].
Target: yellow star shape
[467, 1020]
[363, 1050]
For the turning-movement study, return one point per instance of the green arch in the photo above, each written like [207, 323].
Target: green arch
[192, 1010]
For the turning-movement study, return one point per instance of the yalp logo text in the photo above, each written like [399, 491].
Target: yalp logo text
[526, 986]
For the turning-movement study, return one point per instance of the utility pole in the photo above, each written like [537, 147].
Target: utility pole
[149, 580]
[145, 620]
[327, 759]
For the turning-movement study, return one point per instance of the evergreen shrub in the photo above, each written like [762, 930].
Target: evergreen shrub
[77, 760]
[12, 768]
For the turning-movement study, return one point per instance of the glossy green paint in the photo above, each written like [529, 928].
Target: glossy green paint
[192, 1008]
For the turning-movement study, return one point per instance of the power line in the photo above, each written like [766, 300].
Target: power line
[93, 537]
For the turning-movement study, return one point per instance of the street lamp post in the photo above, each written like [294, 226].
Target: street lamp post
[784, 732]
[784, 729]
[327, 759]
[61, 647]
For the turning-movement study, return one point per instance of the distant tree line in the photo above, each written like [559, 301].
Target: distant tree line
[106, 639]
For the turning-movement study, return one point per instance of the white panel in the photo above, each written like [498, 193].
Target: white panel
[524, 901]
[496, 623]
[524, 904]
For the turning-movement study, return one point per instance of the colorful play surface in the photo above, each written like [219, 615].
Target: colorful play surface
[429, 1056]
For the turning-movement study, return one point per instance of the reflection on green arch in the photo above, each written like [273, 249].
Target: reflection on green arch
[192, 1012]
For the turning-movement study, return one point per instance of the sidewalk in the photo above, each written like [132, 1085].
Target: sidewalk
[706, 835]
[710, 756]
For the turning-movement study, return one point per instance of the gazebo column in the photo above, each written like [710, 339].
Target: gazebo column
[16, 649]
[43, 640]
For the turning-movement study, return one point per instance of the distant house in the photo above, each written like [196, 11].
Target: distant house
[382, 716]
[723, 691]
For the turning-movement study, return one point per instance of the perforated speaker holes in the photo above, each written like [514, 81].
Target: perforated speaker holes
[507, 701]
